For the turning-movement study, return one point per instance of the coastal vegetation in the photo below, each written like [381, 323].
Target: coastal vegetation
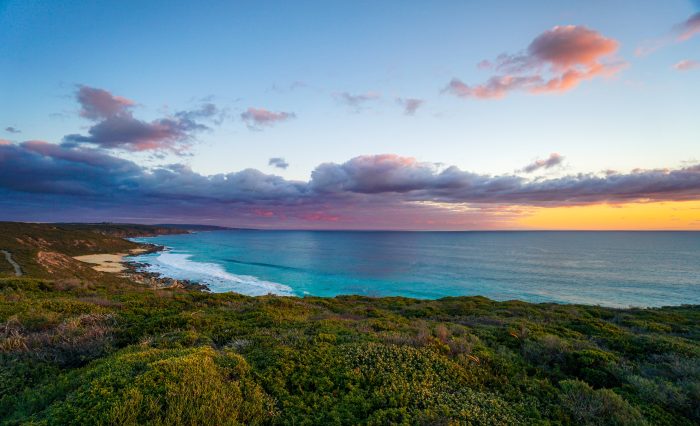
[79, 346]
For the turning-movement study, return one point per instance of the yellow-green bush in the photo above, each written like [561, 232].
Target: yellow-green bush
[196, 386]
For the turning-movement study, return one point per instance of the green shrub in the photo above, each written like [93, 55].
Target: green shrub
[170, 387]
[588, 406]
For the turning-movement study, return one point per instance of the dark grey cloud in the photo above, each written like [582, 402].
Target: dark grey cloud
[410, 180]
[553, 160]
[11, 129]
[41, 175]
[278, 162]
[117, 128]
[41, 167]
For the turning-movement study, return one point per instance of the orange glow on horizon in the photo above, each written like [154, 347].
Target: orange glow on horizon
[676, 215]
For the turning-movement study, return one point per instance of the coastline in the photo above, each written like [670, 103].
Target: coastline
[120, 264]
[109, 262]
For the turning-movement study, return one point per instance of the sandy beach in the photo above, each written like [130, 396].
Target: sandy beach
[108, 262]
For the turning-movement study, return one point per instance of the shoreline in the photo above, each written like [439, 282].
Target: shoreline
[120, 264]
[109, 262]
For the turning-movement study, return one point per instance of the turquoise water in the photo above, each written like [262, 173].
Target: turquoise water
[602, 268]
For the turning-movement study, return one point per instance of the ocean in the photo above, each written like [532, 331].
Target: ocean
[618, 269]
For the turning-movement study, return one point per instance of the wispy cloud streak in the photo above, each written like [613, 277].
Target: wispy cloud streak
[553, 160]
[261, 117]
[686, 65]
[357, 101]
[680, 33]
[410, 105]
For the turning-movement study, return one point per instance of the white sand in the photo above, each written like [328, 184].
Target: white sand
[108, 262]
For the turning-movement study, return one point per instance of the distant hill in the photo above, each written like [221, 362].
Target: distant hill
[46, 250]
[129, 230]
[192, 227]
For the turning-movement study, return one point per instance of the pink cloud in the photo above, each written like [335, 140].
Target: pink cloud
[681, 32]
[5, 142]
[571, 46]
[484, 65]
[99, 103]
[686, 65]
[263, 213]
[255, 117]
[495, 88]
[320, 217]
[689, 28]
[555, 61]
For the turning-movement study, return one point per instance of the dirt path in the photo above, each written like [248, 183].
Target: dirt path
[8, 256]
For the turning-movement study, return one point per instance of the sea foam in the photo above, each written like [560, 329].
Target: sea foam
[180, 266]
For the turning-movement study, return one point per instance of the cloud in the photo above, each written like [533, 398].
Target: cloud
[356, 101]
[44, 168]
[206, 111]
[100, 104]
[11, 129]
[278, 162]
[686, 65]
[555, 61]
[117, 128]
[495, 88]
[680, 33]
[72, 183]
[688, 28]
[410, 105]
[409, 179]
[257, 117]
[553, 160]
[286, 88]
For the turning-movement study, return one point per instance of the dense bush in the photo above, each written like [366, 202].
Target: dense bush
[195, 386]
[83, 352]
[588, 406]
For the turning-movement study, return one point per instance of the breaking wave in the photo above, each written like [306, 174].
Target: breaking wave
[180, 266]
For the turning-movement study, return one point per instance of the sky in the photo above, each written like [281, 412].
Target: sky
[448, 115]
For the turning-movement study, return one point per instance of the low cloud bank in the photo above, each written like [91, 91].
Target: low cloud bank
[36, 175]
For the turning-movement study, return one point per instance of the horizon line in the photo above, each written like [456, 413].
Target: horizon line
[233, 228]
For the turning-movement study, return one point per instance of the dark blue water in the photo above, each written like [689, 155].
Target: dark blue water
[601, 268]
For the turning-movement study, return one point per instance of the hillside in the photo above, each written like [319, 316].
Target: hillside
[82, 347]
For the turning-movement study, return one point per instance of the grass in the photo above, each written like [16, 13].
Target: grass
[106, 351]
